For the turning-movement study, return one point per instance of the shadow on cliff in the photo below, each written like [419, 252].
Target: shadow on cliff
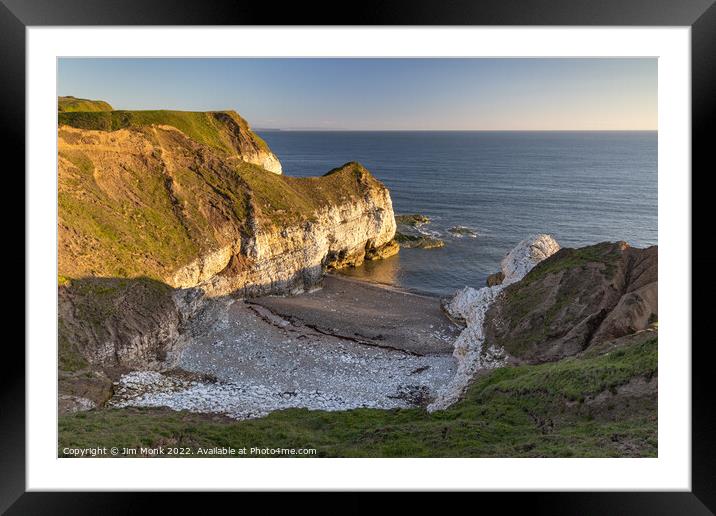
[108, 326]
[116, 324]
[113, 321]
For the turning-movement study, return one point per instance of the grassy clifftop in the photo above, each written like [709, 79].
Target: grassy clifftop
[222, 130]
[148, 200]
[144, 193]
[589, 406]
[71, 104]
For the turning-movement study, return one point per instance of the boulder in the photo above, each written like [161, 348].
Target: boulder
[495, 279]
[414, 219]
[382, 251]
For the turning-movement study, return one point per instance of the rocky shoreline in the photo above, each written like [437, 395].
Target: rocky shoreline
[347, 344]
[315, 350]
[471, 306]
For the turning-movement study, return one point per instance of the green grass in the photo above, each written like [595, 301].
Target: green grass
[214, 129]
[128, 215]
[523, 298]
[141, 224]
[284, 200]
[604, 253]
[526, 411]
[125, 228]
[72, 104]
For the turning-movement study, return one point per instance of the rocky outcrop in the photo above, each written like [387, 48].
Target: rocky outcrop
[418, 241]
[120, 322]
[470, 306]
[268, 161]
[383, 251]
[495, 279]
[246, 144]
[83, 390]
[552, 303]
[575, 299]
[292, 259]
[414, 219]
[411, 235]
[462, 231]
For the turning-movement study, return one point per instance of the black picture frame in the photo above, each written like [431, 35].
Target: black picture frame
[700, 15]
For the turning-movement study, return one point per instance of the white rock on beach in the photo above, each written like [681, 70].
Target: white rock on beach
[525, 255]
[471, 305]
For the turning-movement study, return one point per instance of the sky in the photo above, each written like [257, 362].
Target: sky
[382, 94]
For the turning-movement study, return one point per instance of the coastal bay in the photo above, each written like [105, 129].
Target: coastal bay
[206, 287]
[343, 346]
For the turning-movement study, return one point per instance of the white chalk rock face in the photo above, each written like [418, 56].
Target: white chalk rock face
[271, 163]
[526, 255]
[471, 305]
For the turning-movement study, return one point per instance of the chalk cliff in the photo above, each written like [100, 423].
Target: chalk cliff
[155, 203]
[159, 209]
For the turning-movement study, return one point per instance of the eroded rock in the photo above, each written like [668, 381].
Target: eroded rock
[419, 241]
[495, 279]
[470, 306]
[415, 219]
[382, 251]
[462, 231]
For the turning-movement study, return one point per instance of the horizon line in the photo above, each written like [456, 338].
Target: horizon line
[317, 130]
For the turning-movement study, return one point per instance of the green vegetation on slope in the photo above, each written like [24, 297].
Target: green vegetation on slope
[149, 213]
[573, 299]
[214, 128]
[131, 219]
[567, 258]
[546, 410]
[148, 201]
[284, 200]
[70, 104]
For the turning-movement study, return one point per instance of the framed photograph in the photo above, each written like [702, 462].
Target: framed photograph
[418, 251]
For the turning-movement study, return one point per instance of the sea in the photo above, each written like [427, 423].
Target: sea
[500, 187]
